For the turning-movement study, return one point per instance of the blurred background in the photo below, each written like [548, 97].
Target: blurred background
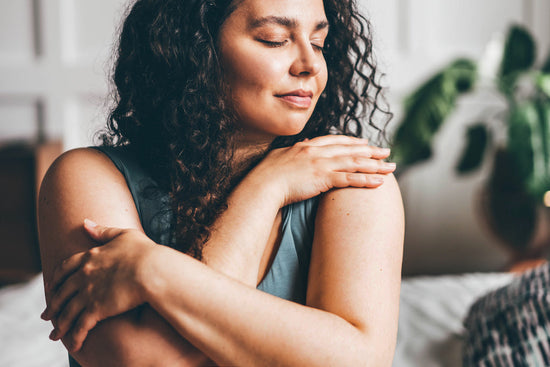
[54, 66]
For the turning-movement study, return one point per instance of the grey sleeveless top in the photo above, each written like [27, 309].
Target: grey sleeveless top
[287, 276]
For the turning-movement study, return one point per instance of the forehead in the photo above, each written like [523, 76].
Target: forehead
[301, 11]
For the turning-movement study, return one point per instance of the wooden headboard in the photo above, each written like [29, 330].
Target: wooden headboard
[22, 167]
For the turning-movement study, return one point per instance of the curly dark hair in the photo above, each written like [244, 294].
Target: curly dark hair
[171, 105]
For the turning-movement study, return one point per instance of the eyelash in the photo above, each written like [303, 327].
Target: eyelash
[274, 44]
[280, 44]
[318, 48]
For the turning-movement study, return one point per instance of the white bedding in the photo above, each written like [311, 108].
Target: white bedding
[430, 322]
[431, 314]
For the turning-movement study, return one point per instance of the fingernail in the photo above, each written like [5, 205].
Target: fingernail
[378, 180]
[391, 165]
[90, 223]
[385, 151]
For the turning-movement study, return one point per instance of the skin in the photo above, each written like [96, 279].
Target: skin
[353, 286]
[265, 56]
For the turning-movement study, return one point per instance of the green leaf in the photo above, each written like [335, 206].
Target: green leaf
[477, 138]
[519, 56]
[522, 123]
[427, 108]
[543, 83]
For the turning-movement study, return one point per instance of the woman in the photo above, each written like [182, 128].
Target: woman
[221, 152]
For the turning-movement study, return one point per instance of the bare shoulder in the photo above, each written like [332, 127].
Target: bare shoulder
[78, 166]
[359, 219]
[356, 203]
[355, 269]
[81, 183]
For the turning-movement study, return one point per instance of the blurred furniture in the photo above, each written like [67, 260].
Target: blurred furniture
[22, 167]
[430, 321]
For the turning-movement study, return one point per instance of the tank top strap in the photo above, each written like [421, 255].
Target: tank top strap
[152, 203]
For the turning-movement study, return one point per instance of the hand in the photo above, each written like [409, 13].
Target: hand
[314, 166]
[96, 284]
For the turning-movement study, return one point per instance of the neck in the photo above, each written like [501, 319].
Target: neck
[247, 150]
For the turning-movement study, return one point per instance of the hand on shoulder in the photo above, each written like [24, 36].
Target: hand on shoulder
[312, 167]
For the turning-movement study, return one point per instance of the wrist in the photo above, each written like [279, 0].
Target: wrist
[150, 272]
[266, 190]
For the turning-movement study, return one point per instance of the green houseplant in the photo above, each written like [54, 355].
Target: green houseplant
[513, 196]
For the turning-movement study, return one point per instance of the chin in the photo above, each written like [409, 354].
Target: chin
[278, 123]
[294, 125]
[291, 129]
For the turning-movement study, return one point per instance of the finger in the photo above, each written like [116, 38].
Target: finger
[69, 315]
[347, 179]
[64, 270]
[361, 150]
[62, 295]
[361, 164]
[86, 322]
[100, 233]
[336, 139]
[380, 153]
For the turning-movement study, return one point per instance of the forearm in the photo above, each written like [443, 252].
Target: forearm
[236, 325]
[238, 238]
[123, 341]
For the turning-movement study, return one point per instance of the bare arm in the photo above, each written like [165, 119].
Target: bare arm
[100, 192]
[353, 293]
[85, 183]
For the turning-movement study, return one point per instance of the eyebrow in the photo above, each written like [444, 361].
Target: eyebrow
[283, 21]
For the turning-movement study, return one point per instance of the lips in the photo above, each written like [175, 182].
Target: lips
[298, 98]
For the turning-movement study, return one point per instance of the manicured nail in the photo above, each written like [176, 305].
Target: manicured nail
[90, 223]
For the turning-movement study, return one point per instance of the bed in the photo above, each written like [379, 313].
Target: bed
[430, 322]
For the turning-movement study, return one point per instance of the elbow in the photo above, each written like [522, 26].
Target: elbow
[374, 351]
[368, 356]
[370, 347]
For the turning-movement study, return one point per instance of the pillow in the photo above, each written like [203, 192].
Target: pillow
[511, 325]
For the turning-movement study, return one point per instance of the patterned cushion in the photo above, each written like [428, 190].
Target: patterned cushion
[511, 325]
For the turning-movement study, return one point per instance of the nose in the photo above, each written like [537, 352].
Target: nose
[307, 61]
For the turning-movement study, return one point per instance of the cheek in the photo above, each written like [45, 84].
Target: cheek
[323, 78]
[254, 71]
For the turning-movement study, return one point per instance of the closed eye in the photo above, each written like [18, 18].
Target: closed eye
[273, 43]
[317, 47]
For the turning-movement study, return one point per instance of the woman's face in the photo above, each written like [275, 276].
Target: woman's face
[271, 52]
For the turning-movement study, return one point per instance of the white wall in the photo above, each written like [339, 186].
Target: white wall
[444, 231]
[53, 62]
[54, 58]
